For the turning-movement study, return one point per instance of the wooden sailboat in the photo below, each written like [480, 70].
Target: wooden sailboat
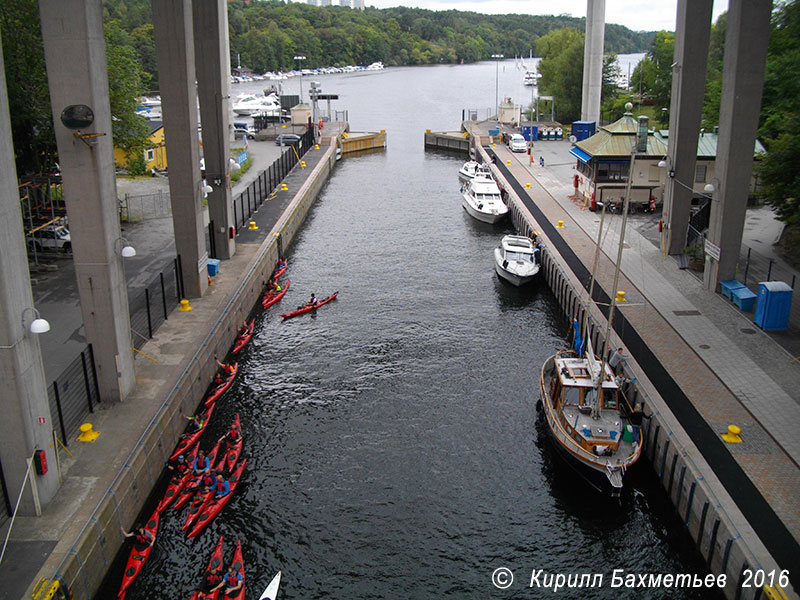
[588, 416]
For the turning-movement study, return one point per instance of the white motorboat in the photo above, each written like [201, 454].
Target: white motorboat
[517, 259]
[467, 172]
[481, 198]
[250, 104]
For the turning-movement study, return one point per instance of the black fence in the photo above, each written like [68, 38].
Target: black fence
[150, 306]
[73, 395]
[268, 180]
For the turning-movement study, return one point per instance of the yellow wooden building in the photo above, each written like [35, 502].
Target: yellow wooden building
[155, 153]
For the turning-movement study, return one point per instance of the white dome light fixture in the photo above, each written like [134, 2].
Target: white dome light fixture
[235, 166]
[123, 248]
[38, 324]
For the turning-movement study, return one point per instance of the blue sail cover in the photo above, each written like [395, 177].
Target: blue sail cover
[579, 342]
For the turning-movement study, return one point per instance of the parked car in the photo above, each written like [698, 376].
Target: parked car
[52, 237]
[286, 139]
[517, 143]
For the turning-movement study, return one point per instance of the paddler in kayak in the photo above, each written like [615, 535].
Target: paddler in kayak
[273, 287]
[221, 487]
[232, 582]
[232, 437]
[142, 539]
[180, 467]
[201, 463]
[196, 423]
[211, 580]
[312, 301]
[227, 369]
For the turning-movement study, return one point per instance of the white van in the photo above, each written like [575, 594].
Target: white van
[517, 143]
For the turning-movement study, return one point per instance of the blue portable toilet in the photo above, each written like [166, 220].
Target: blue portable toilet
[527, 132]
[773, 305]
[213, 266]
[583, 129]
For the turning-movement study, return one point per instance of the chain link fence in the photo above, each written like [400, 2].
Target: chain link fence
[141, 207]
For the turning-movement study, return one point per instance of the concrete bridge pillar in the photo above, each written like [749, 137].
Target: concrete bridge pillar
[23, 392]
[172, 22]
[594, 41]
[75, 53]
[692, 31]
[212, 62]
[746, 43]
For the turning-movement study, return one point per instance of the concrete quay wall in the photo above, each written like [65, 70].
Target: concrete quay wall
[720, 532]
[82, 557]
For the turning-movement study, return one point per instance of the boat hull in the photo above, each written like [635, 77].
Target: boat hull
[517, 279]
[482, 216]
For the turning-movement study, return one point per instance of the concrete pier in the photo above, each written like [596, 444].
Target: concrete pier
[695, 367]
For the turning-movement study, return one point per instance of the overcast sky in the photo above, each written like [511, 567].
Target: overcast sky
[638, 15]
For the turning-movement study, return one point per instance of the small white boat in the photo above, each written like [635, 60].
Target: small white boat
[272, 589]
[481, 198]
[467, 172]
[249, 104]
[517, 259]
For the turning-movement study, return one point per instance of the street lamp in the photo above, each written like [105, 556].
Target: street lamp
[300, 58]
[497, 58]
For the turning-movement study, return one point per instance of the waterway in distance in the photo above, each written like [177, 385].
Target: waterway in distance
[392, 439]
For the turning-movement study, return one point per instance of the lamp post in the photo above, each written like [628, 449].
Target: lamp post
[300, 58]
[497, 58]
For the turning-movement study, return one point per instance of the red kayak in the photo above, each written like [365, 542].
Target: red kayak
[215, 562]
[189, 440]
[214, 395]
[177, 482]
[281, 269]
[238, 567]
[227, 460]
[214, 505]
[189, 491]
[244, 337]
[301, 310]
[271, 298]
[137, 559]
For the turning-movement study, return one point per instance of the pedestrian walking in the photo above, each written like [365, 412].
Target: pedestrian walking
[541, 161]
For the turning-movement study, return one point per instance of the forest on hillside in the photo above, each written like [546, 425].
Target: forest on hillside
[265, 35]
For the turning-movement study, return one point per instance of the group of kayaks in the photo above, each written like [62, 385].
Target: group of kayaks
[185, 489]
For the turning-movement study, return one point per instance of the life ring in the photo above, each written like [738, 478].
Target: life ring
[319, 124]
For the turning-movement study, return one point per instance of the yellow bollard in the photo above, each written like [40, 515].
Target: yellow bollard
[87, 435]
[302, 164]
[620, 296]
[560, 225]
[508, 163]
[494, 145]
[732, 437]
[253, 226]
[284, 187]
[344, 134]
[527, 186]
[283, 126]
[184, 307]
[316, 146]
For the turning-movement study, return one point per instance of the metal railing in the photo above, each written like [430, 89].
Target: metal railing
[73, 395]
[268, 180]
[141, 207]
[150, 306]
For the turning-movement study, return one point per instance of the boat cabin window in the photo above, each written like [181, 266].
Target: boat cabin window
[609, 399]
[519, 256]
[572, 396]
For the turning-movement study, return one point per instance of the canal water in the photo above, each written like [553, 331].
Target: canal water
[392, 439]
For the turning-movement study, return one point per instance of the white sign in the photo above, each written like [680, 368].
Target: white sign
[712, 250]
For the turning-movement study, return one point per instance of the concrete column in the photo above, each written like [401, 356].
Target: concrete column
[213, 85]
[746, 42]
[75, 53]
[172, 22]
[593, 60]
[692, 31]
[23, 392]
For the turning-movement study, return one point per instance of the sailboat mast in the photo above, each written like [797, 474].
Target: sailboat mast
[625, 205]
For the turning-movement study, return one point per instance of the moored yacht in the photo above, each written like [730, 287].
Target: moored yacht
[249, 104]
[481, 198]
[517, 259]
[468, 170]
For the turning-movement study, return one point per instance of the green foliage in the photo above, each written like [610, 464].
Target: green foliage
[136, 164]
[26, 80]
[780, 119]
[562, 71]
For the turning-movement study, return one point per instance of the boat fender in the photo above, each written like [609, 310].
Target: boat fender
[505, 264]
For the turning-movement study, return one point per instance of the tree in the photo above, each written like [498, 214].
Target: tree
[780, 119]
[562, 70]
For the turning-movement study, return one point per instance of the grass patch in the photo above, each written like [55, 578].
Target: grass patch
[238, 174]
